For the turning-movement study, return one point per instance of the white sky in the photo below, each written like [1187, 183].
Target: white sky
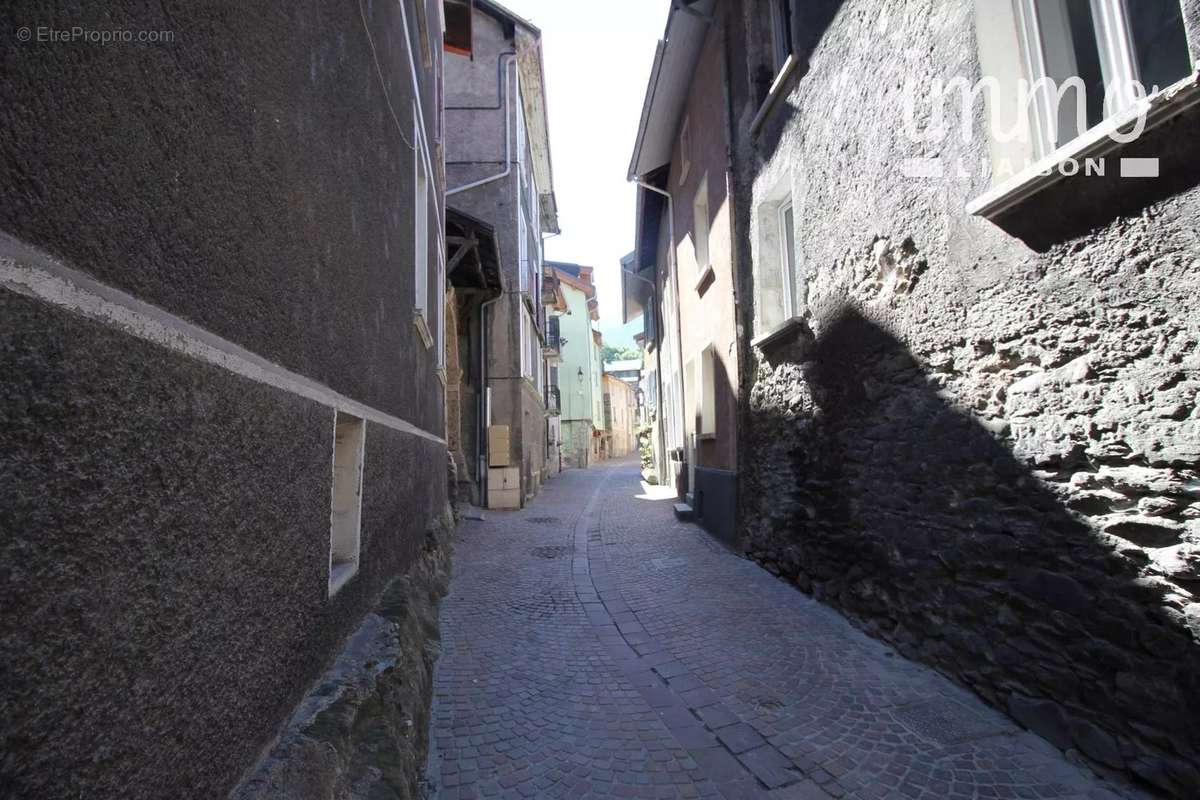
[597, 58]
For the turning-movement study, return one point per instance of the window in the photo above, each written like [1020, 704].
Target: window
[787, 256]
[442, 315]
[531, 350]
[700, 230]
[781, 31]
[685, 149]
[522, 253]
[459, 15]
[1096, 52]
[349, 435]
[523, 338]
[706, 393]
[776, 282]
[421, 235]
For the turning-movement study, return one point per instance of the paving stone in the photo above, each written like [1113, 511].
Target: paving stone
[718, 716]
[539, 694]
[804, 790]
[770, 766]
[718, 765]
[740, 737]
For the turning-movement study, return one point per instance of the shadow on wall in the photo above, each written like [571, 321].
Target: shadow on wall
[887, 501]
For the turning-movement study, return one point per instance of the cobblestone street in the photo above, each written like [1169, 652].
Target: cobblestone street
[596, 647]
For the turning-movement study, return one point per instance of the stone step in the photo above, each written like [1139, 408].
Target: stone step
[684, 512]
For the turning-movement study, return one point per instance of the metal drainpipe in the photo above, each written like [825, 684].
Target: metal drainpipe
[678, 331]
[484, 385]
[512, 60]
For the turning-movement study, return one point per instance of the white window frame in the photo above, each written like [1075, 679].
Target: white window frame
[1114, 42]
[706, 393]
[421, 192]
[787, 256]
[701, 228]
[522, 252]
[523, 337]
[783, 46]
[345, 523]
[1012, 48]
[442, 316]
[685, 149]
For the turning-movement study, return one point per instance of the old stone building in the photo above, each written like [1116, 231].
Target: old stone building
[620, 416]
[968, 361]
[499, 171]
[578, 373]
[682, 275]
[476, 283]
[221, 276]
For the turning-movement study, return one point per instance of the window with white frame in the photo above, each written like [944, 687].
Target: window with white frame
[441, 312]
[781, 32]
[775, 264]
[531, 348]
[685, 149]
[535, 353]
[700, 226]
[706, 393]
[524, 334]
[421, 197]
[1097, 53]
[522, 253]
[349, 438]
[787, 256]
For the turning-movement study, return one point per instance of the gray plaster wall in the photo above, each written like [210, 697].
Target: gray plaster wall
[475, 150]
[165, 532]
[984, 446]
[165, 553]
[247, 176]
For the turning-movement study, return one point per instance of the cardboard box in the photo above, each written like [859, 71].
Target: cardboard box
[504, 498]
[498, 446]
[504, 479]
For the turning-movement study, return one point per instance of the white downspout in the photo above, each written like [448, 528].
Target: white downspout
[512, 60]
[678, 331]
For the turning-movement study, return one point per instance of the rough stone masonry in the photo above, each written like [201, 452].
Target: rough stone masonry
[985, 448]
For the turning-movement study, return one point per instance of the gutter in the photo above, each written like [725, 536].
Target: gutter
[485, 397]
[512, 60]
[678, 328]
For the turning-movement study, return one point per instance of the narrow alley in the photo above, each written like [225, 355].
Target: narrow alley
[593, 646]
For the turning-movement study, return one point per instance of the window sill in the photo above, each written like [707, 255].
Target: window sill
[340, 575]
[705, 280]
[775, 92]
[422, 328]
[783, 330]
[706, 437]
[1046, 172]
[441, 373]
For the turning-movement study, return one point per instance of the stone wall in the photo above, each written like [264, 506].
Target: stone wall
[984, 449]
[363, 730]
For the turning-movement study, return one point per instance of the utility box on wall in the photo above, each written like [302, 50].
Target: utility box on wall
[498, 442]
[504, 487]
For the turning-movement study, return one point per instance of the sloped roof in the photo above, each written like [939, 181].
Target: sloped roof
[670, 78]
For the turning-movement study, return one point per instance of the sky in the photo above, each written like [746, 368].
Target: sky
[597, 58]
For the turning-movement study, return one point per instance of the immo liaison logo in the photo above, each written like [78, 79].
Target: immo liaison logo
[1030, 124]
